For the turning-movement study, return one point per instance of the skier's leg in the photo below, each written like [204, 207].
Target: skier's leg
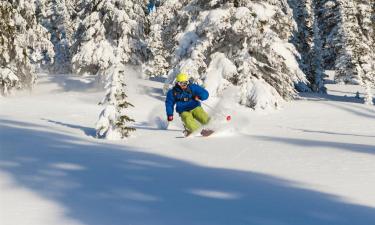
[189, 122]
[201, 115]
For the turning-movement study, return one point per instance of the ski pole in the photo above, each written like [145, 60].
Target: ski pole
[227, 117]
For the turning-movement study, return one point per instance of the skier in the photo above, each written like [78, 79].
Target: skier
[187, 99]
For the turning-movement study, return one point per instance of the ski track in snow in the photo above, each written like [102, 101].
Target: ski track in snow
[311, 162]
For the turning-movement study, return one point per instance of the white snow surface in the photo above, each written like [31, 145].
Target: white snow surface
[311, 162]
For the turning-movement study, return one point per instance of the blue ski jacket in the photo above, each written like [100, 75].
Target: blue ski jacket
[184, 99]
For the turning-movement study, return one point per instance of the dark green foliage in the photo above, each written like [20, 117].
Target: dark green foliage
[123, 119]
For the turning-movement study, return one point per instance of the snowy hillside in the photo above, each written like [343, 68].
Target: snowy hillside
[310, 163]
[84, 132]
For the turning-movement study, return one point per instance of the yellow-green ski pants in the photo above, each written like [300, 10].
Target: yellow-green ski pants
[192, 117]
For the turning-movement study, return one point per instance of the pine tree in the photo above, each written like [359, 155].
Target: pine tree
[240, 43]
[256, 44]
[316, 63]
[112, 36]
[303, 14]
[24, 45]
[112, 123]
[337, 35]
[59, 18]
[110, 30]
[347, 70]
[161, 47]
[308, 41]
[327, 17]
[365, 50]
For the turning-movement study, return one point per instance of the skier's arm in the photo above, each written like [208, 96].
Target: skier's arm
[200, 92]
[169, 103]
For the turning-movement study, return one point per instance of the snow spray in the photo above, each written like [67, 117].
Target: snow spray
[227, 117]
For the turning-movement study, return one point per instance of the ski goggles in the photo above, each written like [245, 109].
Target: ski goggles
[183, 83]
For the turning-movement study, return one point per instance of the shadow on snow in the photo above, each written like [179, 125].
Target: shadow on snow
[306, 144]
[330, 132]
[330, 97]
[89, 131]
[102, 183]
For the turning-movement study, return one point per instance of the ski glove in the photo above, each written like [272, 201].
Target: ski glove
[170, 118]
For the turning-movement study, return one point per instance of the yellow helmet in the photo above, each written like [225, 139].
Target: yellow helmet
[182, 77]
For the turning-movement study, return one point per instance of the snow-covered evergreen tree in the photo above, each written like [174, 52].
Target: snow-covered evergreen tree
[345, 65]
[302, 38]
[253, 39]
[308, 41]
[110, 30]
[59, 17]
[355, 62]
[277, 47]
[327, 17]
[113, 121]
[337, 36]
[161, 46]
[366, 45]
[110, 35]
[24, 45]
[346, 44]
[315, 54]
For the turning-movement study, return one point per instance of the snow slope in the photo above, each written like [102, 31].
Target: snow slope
[310, 163]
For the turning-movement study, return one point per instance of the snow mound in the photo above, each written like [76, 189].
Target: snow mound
[8, 79]
[258, 94]
[218, 73]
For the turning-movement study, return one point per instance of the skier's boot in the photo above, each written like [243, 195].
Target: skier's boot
[187, 132]
[206, 132]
